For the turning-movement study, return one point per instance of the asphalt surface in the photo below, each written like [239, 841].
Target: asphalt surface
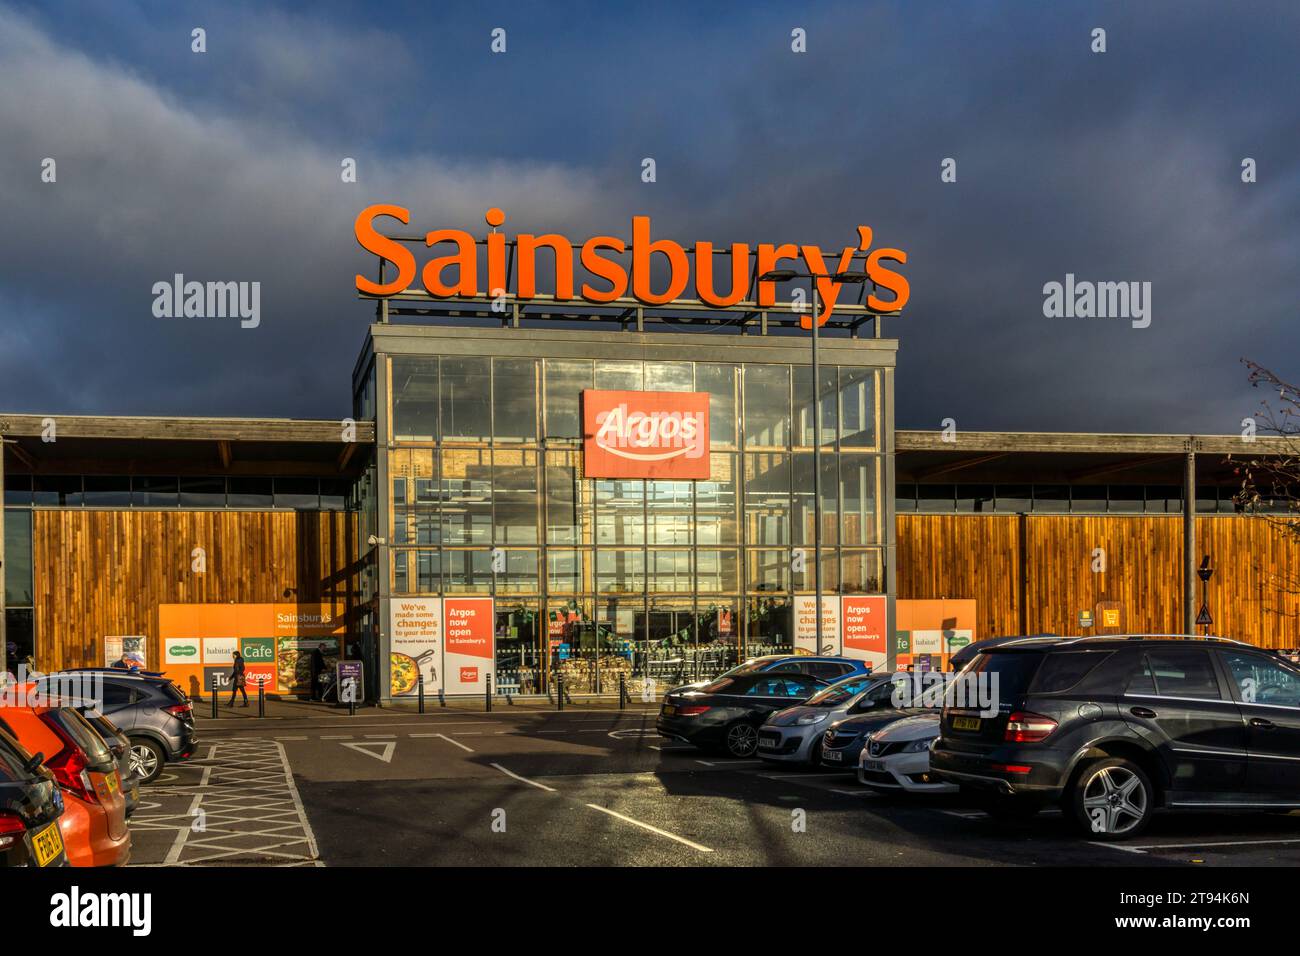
[531, 786]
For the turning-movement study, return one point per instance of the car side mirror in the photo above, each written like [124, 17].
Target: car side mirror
[865, 703]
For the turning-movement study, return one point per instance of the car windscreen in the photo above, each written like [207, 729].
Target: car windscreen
[1014, 670]
[85, 736]
[840, 693]
[749, 667]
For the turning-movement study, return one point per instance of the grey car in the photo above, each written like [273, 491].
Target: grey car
[794, 735]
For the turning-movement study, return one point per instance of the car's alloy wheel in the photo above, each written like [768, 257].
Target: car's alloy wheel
[146, 759]
[1113, 799]
[742, 740]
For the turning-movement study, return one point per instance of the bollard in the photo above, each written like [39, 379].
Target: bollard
[419, 684]
[261, 699]
[442, 698]
[622, 691]
[559, 692]
[214, 698]
[487, 693]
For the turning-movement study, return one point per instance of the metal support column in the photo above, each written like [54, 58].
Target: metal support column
[1189, 544]
[817, 471]
[4, 640]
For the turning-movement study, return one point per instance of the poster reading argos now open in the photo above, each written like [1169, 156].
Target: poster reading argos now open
[450, 642]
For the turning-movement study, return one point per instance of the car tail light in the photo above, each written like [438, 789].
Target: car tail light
[1012, 768]
[694, 710]
[181, 711]
[1026, 728]
[70, 766]
[11, 829]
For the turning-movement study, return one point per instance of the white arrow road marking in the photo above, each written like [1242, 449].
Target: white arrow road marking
[386, 756]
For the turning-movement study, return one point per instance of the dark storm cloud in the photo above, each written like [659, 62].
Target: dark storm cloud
[1119, 166]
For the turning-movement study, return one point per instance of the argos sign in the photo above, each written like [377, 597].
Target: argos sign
[663, 435]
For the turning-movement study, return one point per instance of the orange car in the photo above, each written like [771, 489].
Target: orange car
[93, 824]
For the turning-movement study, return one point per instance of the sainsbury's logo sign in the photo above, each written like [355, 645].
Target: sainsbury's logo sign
[660, 435]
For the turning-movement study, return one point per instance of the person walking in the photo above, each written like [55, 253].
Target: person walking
[237, 680]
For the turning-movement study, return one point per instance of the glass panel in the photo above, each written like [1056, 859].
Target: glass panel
[858, 486]
[566, 511]
[468, 572]
[565, 381]
[805, 515]
[620, 511]
[1052, 498]
[720, 382]
[428, 571]
[767, 406]
[669, 571]
[864, 572]
[333, 494]
[1126, 499]
[717, 571]
[249, 493]
[671, 649]
[567, 572]
[466, 398]
[621, 622]
[298, 493]
[106, 492]
[1164, 499]
[1206, 497]
[63, 491]
[18, 559]
[18, 489]
[466, 496]
[521, 573]
[715, 504]
[669, 511]
[1088, 499]
[857, 407]
[401, 571]
[769, 626]
[20, 633]
[155, 492]
[1014, 498]
[415, 398]
[718, 628]
[767, 498]
[768, 570]
[669, 377]
[619, 376]
[620, 571]
[518, 496]
[935, 499]
[211, 493]
[806, 581]
[976, 498]
[521, 649]
[904, 500]
[828, 382]
[514, 411]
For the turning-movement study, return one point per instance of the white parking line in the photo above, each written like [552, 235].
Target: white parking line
[349, 736]
[1144, 848]
[531, 783]
[646, 826]
[799, 776]
[290, 738]
[456, 743]
[378, 736]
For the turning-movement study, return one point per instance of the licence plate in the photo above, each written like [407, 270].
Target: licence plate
[669, 710]
[876, 766]
[965, 723]
[47, 844]
[111, 779]
[834, 756]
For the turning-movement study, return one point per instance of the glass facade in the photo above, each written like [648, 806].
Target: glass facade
[485, 457]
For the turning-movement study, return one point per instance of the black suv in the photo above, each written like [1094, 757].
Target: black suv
[1115, 727]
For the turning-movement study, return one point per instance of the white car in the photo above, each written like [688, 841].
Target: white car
[897, 757]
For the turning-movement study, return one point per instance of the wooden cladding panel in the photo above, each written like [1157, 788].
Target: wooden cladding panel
[1033, 574]
[100, 573]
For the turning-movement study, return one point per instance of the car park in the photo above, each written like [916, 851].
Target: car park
[1113, 728]
[726, 713]
[897, 757]
[794, 735]
[30, 807]
[93, 824]
[153, 712]
[828, 669]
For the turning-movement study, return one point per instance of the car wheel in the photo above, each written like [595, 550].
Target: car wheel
[147, 759]
[741, 739]
[1113, 799]
[1011, 809]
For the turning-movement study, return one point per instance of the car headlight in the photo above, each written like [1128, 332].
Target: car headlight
[805, 720]
[917, 746]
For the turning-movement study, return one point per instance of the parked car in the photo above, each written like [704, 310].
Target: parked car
[152, 711]
[727, 712]
[1114, 728]
[909, 695]
[120, 745]
[93, 825]
[828, 669]
[968, 653]
[897, 757]
[30, 807]
[794, 735]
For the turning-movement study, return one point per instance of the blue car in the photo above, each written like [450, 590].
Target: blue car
[829, 669]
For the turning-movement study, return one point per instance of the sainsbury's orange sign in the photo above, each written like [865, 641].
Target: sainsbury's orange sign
[663, 435]
[456, 274]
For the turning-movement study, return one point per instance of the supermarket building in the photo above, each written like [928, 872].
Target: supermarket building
[466, 522]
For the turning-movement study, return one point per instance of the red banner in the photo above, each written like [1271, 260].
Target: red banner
[658, 435]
